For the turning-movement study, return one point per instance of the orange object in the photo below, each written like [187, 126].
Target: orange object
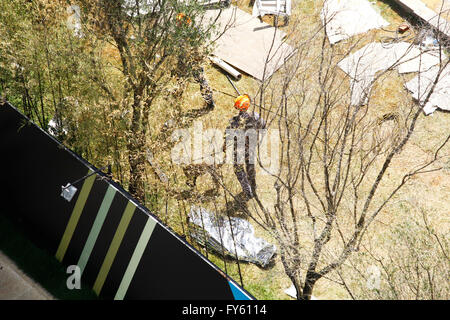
[242, 102]
[182, 17]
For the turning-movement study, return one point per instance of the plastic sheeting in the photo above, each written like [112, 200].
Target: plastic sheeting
[214, 231]
[74, 20]
[346, 18]
[144, 6]
[56, 128]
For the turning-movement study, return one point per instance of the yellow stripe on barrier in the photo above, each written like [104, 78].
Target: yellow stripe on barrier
[76, 213]
[135, 259]
[114, 247]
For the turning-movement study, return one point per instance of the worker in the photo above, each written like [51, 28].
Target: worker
[245, 121]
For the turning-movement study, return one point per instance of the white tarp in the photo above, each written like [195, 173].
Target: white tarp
[363, 65]
[421, 85]
[346, 18]
[144, 7]
[416, 60]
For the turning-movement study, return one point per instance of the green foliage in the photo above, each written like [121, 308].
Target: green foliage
[103, 86]
[262, 291]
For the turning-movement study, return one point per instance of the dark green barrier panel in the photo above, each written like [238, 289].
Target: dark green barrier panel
[122, 250]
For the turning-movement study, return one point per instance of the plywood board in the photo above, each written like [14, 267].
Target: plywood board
[247, 43]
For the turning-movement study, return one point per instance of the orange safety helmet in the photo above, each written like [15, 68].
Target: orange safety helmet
[181, 16]
[242, 102]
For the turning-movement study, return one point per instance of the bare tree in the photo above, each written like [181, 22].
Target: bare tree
[336, 153]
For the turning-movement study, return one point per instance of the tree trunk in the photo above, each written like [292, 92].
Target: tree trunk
[205, 89]
[310, 281]
[136, 158]
[136, 185]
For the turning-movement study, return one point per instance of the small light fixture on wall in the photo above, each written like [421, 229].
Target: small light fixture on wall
[70, 190]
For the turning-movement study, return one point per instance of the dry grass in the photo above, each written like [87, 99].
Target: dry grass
[438, 6]
[430, 191]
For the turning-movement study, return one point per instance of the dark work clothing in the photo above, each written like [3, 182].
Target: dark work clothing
[247, 178]
[247, 120]
[246, 124]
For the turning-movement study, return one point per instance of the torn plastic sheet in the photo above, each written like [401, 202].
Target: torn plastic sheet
[56, 128]
[214, 231]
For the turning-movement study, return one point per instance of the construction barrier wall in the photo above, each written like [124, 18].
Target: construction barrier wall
[122, 250]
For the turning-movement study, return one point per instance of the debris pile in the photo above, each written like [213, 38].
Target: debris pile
[265, 51]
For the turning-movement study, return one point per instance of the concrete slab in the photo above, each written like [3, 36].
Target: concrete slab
[247, 43]
[15, 285]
